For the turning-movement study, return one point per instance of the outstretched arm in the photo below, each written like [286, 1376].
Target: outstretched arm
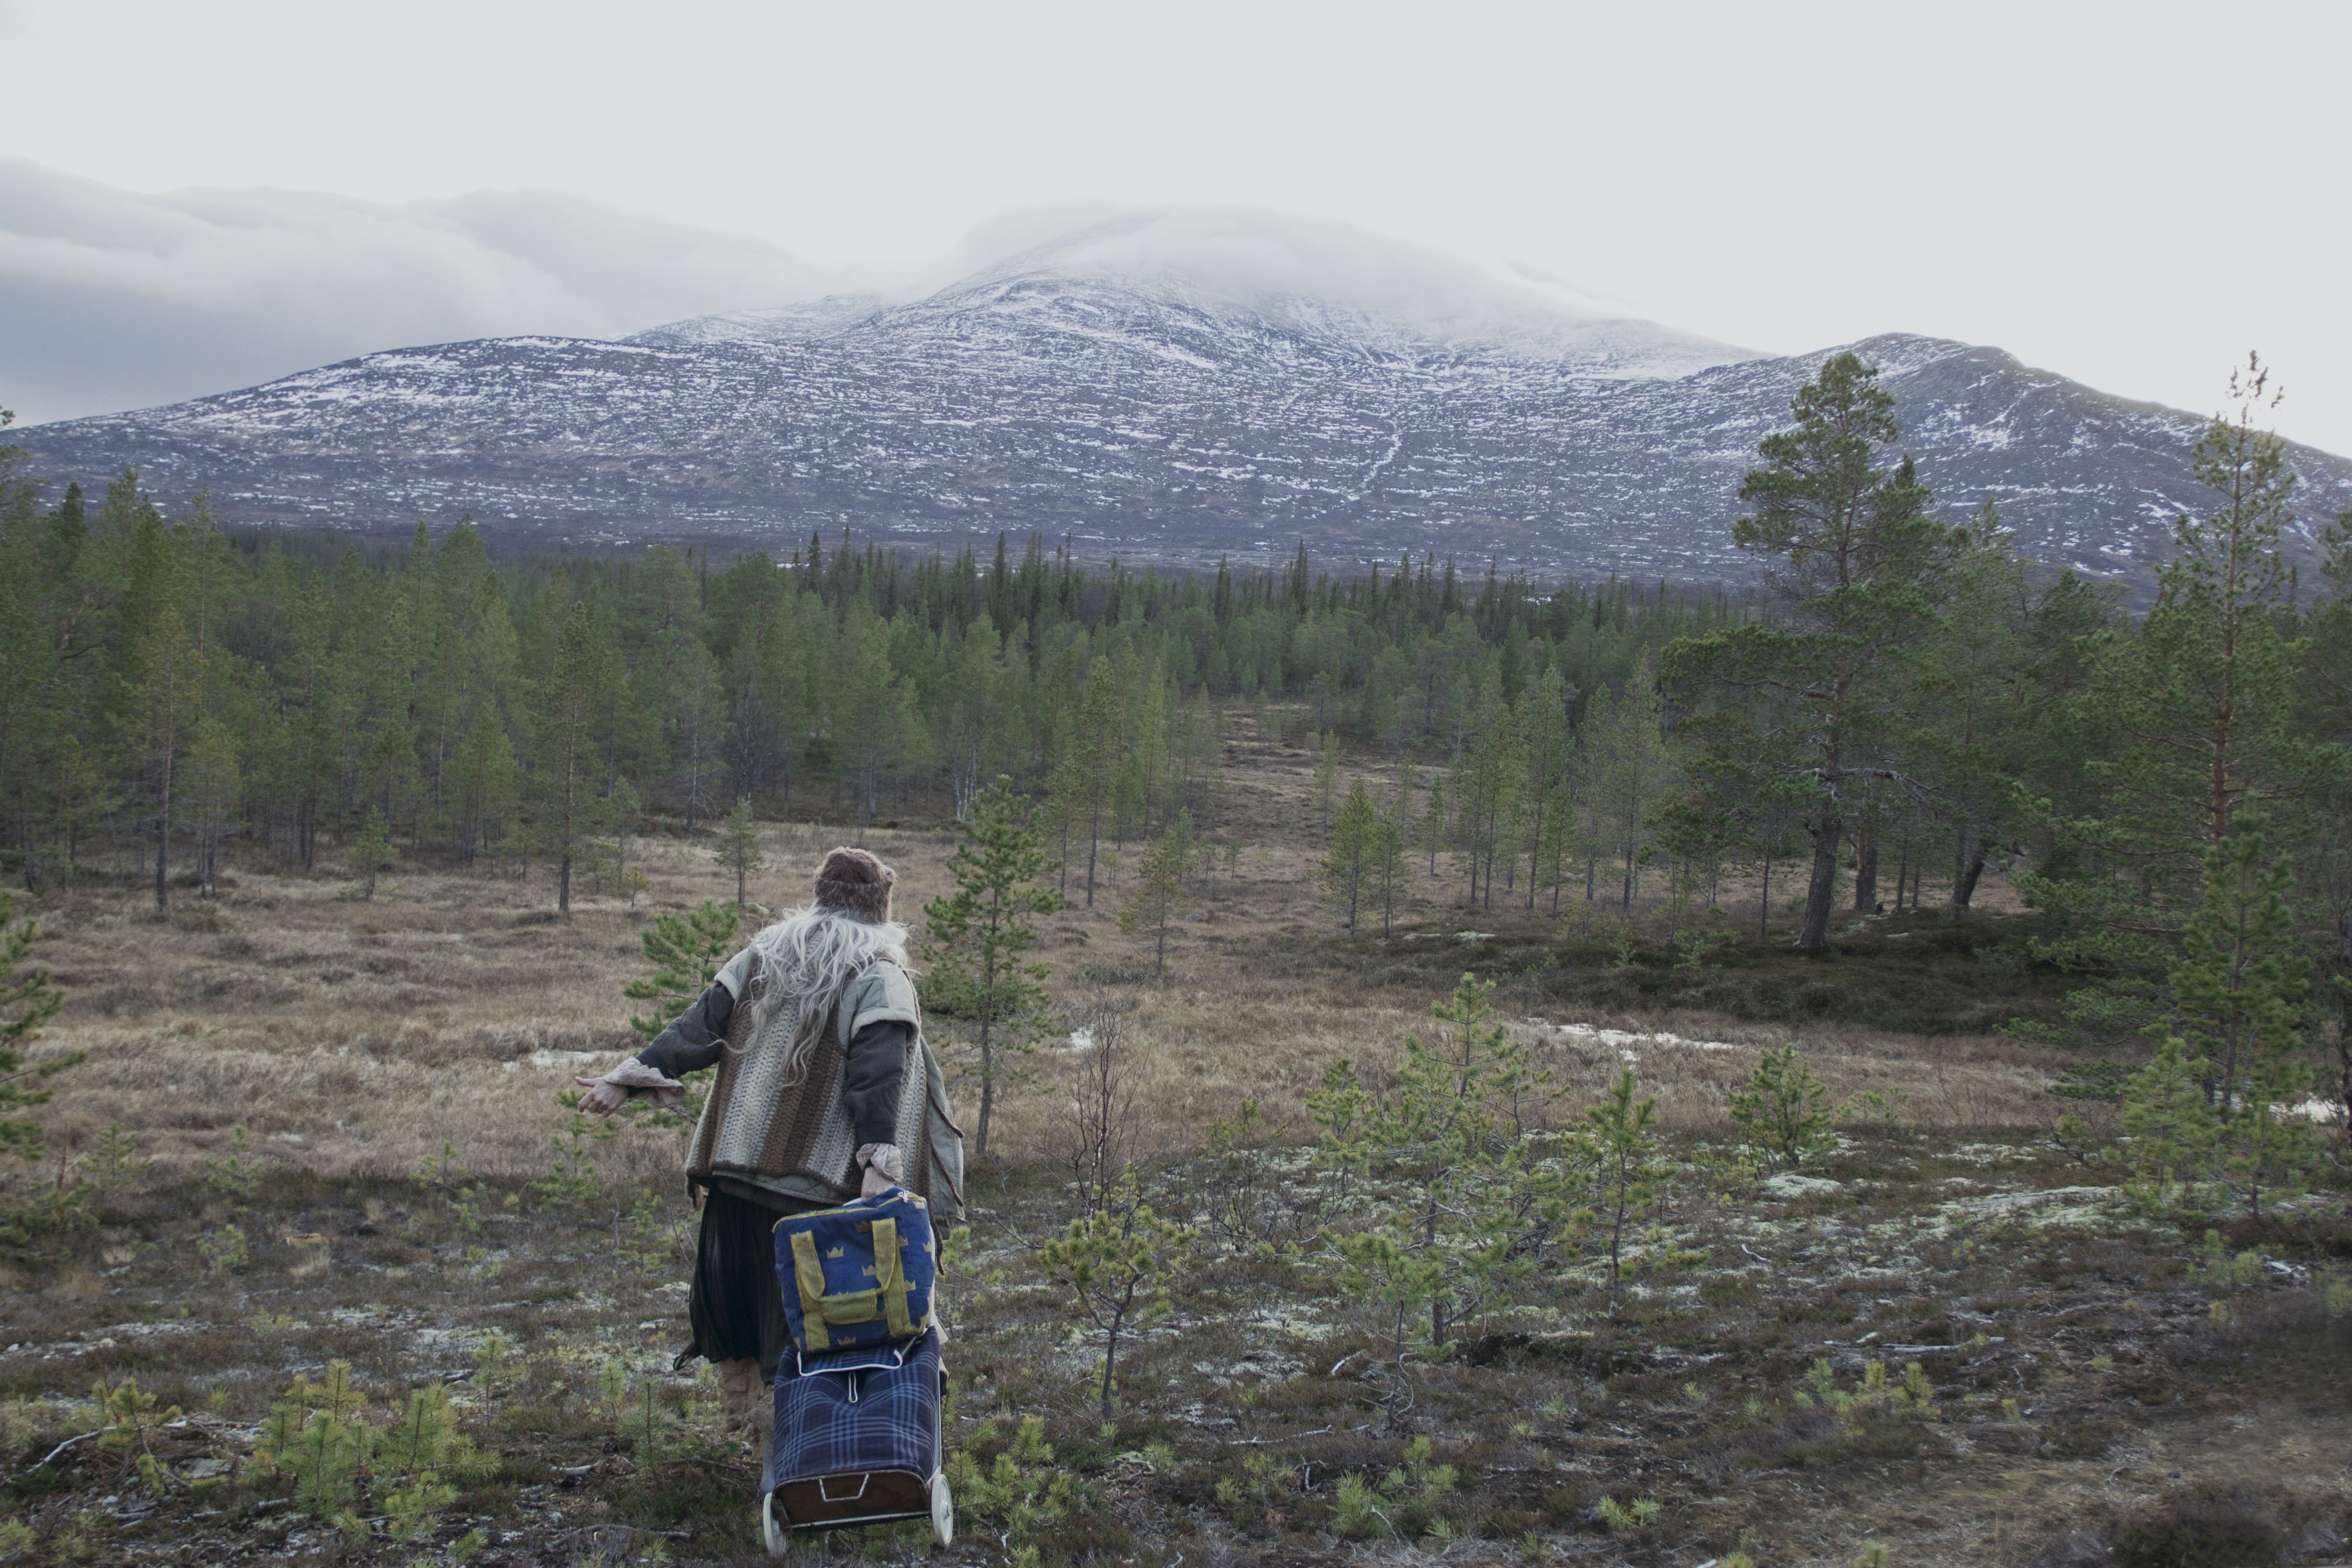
[694, 1040]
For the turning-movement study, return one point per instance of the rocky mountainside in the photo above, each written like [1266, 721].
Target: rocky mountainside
[1168, 398]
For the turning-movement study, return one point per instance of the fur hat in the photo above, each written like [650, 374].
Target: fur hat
[856, 884]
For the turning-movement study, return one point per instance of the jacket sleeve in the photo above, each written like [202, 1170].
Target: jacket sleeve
[869, 1079]
[696, 1037]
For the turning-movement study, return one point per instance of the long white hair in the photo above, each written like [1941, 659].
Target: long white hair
[805, 960]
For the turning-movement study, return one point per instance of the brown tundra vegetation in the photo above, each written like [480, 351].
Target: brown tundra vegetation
[351, 1285]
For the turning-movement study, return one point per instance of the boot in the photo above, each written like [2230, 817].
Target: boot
[744, 1402]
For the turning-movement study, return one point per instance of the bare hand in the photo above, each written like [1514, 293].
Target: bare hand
[601, 1097]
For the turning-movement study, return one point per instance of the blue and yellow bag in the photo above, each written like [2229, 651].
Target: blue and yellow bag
[856, 1281]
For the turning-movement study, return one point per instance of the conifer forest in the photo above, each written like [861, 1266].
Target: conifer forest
[1847, 1065]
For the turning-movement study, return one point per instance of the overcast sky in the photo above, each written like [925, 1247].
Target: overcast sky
[2133, 195]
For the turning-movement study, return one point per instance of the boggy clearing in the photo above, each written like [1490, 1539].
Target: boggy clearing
[337, 1139]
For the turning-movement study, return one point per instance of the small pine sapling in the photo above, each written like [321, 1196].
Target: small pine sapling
[686, 952]
[1463, 1206]
[1117, 1265]
[1783, 1110]
[1620, 1137]
[313, 1436]
[131, 1420]
[2169, 1131]
[1023, 1495]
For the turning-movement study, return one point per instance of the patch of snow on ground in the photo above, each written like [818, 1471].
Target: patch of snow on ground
[1793, 1184]
[1629, 1043]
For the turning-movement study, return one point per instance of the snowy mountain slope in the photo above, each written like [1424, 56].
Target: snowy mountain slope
[1168, 395]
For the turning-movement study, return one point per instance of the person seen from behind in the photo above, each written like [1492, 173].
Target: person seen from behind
[813, 1028]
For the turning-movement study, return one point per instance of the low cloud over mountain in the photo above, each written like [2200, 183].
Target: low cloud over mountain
[115, 299]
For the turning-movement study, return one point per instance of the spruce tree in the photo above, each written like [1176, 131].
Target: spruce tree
[975, 936]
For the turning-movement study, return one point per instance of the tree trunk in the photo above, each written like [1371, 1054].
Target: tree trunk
[1094, 841]
[163, 836]
[1821, 893]
[563, 883]
[1967, 867]
[1902, 871]
[987, 1092]
[1866, 869]
[1764, 902]
[1110, 1360]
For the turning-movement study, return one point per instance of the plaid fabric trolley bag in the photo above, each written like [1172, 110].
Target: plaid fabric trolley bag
[857, 1437]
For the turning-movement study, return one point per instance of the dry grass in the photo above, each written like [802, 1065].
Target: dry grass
[2108, 1401]
[354, 1037]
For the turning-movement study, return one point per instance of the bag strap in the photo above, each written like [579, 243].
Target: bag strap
[809, 1275]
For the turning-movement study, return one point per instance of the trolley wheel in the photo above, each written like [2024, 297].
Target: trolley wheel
[942, 1512]
[778, 1543]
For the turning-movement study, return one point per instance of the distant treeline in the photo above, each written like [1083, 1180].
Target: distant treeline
[169, 682]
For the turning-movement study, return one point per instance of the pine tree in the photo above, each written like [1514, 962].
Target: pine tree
[1387, 863]
[1434, 825]
[2187, 719]
[974, 936]
[1097, 757]
[2169, 1129]
[1117, 1264]
[1159, 896]
[1488, 789]
[1349, 858]
[1463, 1206]
[737, 848]
[1817, 693]
[1628, 772]
[567, 810]
[1326, 775]
[2239, 992]
[688, 952]
[27, 1000]
[166, 706]
[1622, 1140]
[371, 853]
[1546, 748]
[214, 783]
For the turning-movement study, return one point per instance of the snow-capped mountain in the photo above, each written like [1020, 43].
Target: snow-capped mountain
[1167, 386]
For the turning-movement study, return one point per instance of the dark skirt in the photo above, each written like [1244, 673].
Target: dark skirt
[735, 1305]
